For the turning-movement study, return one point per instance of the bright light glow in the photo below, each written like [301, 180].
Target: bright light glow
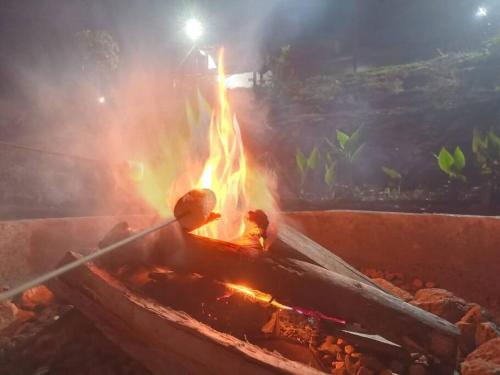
[481, 12]
[256, 295]
[101, 100]
[193, 29]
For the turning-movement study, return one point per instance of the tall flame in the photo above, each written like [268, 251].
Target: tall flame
[225, 170]
[238, 187]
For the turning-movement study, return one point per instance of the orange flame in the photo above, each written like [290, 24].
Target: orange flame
[225, 170]
[256, 295]
[238, 187]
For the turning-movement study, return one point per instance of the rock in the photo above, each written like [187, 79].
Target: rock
[349, 349]
[430, 284]
[338, 365]
[485, 360]
[393, 289]
[365, 371]
[417, 284]
[417, 369]
[329, 346]
[8, 313]
[474, 315]
[485, 332]
[441, 302]
[466, 341]
[37, 296]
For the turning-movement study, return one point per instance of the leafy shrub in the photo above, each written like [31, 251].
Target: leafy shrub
[452, 165]
[306, 164]
[330, 173]
[486, 150]
[348, 149]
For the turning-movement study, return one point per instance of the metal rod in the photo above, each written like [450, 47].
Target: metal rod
[48, 152]
[68, 267]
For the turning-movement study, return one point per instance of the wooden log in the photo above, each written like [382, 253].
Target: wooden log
[298, 283]
[162, 339]
[292, 243]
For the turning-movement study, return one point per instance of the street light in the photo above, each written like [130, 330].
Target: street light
[193, 29]
[481, 12]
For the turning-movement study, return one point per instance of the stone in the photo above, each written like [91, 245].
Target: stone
[338, 365]
[485, 360]
[417, 284]
[329, 346]
[417, 369]
[393, 289]
[349, 349]
[37, 296]
[474, 315]
[441, 302]
[8, 314]
[486, 331]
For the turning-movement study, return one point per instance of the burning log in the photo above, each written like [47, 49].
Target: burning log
[163, 339]
[298, 283]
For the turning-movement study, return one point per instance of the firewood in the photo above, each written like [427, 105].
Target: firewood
[293, 244]
[162, 339]
[298, 283]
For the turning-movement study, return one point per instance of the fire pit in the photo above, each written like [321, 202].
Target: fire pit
[247, 292]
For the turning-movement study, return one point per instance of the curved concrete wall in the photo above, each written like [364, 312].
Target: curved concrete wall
[460, 253]
[29, 247]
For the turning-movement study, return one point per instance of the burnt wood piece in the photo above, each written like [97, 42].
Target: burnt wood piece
[292, 243]
[162, 339]
[297, 283]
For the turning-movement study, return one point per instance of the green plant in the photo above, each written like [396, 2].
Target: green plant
[306, 164]
[330, 173]
[486, 150]
[394, 177]
[452, 164]
[348, 150]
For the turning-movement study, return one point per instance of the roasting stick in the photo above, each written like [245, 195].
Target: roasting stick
[68, 267]
[191, 211]
[49, 152]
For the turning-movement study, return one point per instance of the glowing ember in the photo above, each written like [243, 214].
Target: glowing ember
[256, 295]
